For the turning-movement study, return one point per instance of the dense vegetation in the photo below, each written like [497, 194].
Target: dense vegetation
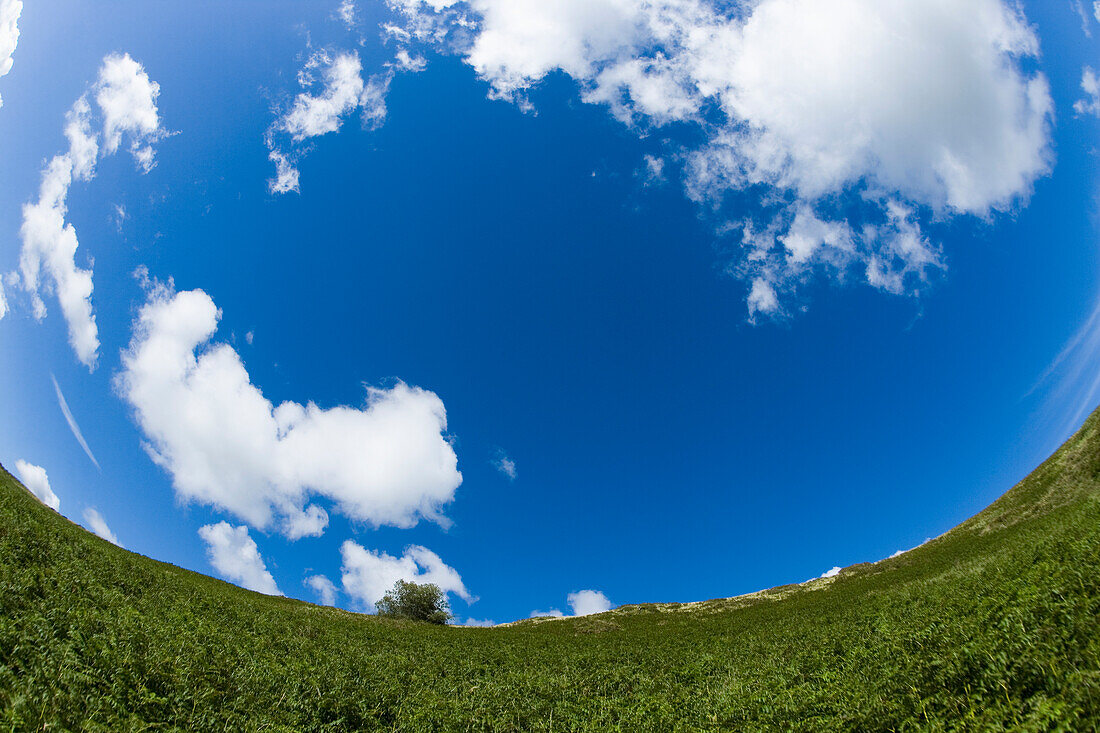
[995, 625]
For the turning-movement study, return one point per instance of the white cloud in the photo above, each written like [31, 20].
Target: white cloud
[72, 422]
[1096, 10]
[1079, 8]
[588, 602]
[342, 92]
[1090, 85]
[654, 169]
[225, 444]
[37, 482]
[831, 572]
[3, 302]
[404, 61]
[98, 525]
[314, 115]
[582, 602]
[10, 11]
[235, 556]
[917, 105]
[127, 103]
[473, 622]
[127, 98]
[286, 174]
[346, 13]
[504, 464]
[762, 298]
[553, 613]
[324, 588]
[368, 574]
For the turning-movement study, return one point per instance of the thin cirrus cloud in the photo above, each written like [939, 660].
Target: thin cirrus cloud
[235, 556]
[125, 98]
[38, 483]
[849, 121]
[224, 444]
[10, 10]
[582, 603]
[367, 574]
[73, 426]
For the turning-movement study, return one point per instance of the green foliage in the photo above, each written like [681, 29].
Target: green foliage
[994, 626]
[416, 602]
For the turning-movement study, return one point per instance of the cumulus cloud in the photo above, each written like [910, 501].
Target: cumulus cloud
[333, 88]
[10, 10]
[235, 556]
[900, 108]
[37, 482]
[582, 602]
[98, 525]
[324, 588]
[1090, 85]
[73, 426]
[3, 302]
[368, 574]
[126, 99]
[831, 572]
[388, 462]
[503, 463]
[473, 622]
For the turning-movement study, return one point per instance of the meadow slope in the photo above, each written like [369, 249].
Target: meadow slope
[995, 625]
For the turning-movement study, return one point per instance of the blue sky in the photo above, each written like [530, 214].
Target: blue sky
[726, 332]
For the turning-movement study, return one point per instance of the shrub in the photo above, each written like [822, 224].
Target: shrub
[416, 601]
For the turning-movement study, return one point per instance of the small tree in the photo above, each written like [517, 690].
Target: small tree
[416, 601]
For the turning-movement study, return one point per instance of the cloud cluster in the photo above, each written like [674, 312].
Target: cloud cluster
[388, 462]
[235, 556]
[126, 101]
[10, 10]
[333, 88]
[367, 574]
[582, 602]
[844, 119]
[98, 525]
[37, 482]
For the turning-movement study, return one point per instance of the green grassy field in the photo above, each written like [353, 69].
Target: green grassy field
[995, 625]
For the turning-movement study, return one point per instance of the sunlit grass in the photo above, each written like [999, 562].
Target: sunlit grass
[995, 625]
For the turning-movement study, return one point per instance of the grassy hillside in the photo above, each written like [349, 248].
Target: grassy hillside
[995, 625]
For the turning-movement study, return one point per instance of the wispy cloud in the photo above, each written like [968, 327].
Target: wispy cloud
[503, 463]
[1071, 381]
[9, 34]
[98, 525]
[72, 422]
